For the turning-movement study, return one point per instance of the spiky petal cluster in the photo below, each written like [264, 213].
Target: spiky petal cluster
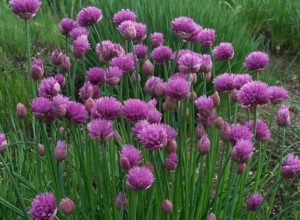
[89, 90]
[205, 105]
[108, 108]
[207, 37]
[59, 105]
[124, 63]
[241, 79]
[242, 151]
[66, 25]
[153, 136]
[77, 32]
[206, 63]
[256, 61]
[80, 46]
[25, 9]
[139, 178]
[43, 206]
[186, 29]
[224, 51]
[238, 132]
[254, 93]
[157, 39]
[161, 54]
[76, 112]
[96, 75]
[60, 78]
[130, 157]
[290, 166]
[113, 75]
[224, 82]
[121, 201]
[89, 16]
[107, 50]
[100, 129]
[135, 110]
[48, 87]
[140, 51]
[278, 94]
[283, 116]
[171, 161]
[42, 108]
[262, 130]
[189, 63]
[177, 88]
[151, 84]
[253, 201]
[37, 69]
[171, 133]
[123, 15]
[3, 142]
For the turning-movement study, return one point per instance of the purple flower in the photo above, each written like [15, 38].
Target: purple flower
[278, 94]
[153, 136]
[56, 57]
[205, 105]
[151, 83]
[253, 201]
[107, 50]
[42, 108]
[224, 51]
[139, 178]
[89, 90]
[207, 37]
[211, 216]
[206, 64]
[171, 161]
[96, 75]
[25, 9]
[3, 142]
[161, 54]
[48, 87]
[256, 61]
[140, 51]
[185, 28]
[80, 46]
[130, 157]
[153, 115]
[59, 105]
[66, 25]
[43, 206]
[241, 79]
[171, 133]
[123, 15]
[113, 75]
[283, 116]
[157, 39]
[131, 30]
[65, 63]
[135, 110]
[166, 206]
[124, 63]
[178, 88]
[138, 126]
[290, 166]
[121, 201]
[189, 63]
[242, 151]
[254, 93]
[108, 108]
[238, 132]
[262, 130]
[204, 144]
[100, 129]
[76, 112]
[21, 111]
[225, 131]
[60, 78]
[224, 82]
[66, 206]
[60, 151]
[89, 16]
[77, 32]
[37, 69]
[141, 31]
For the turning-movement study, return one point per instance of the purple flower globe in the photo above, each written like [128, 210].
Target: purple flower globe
[278, 94]
[76, 112]
[21, 111]
[224, 82]
[139, 178]
[242, 151]
[3, 142]
[204, 105]
[123, 15]
[238, 132]
[108, 108]
[262, 130]
[283, 116]
[253, 201]
[171, 133]
[290, 166]
[135, 110]
[254, 93]
[89, 16]
[60, 151]
[37, 69]
[207, 37]
[96, 75]
[60, 78]
[177, 88]
[161, 54]
[153, 136]
[59, 105]
[204, 145]
[124, 63]
[131, 30]
[66, 25]
[78, 31]
[43, 206]
[66, 206]
[256, 61]
[113, 75]
[154, 116]
[80, 46]
[151, 83]
[157, 39]
[100, 129]
[130, 157]
[185, 28]
[224, 51]
[241, 79]
[25, 9]
[42, 108]
[206, 63]
[138, 126]
[49, 87]
[171, 161]
[189, 63]
[140, 51]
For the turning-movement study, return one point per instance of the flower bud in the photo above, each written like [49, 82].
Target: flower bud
[89, 104]
[216, 99]
[134, 77]
[129, 33]
[3, 142]
[21, 111]
[211, 216]
[172, 146]
[169, 103]
[254, 201]
[55, 57]
[121, 201]
[160, 90]
[193, 96]
[199, 130]
[149, 165]
[37, 69]
[225, 131]
[61, 130]
[167, 206]
[66, 206]
[65, 63]
[219, 122]
[204, 145]
[41, 150]
[60, 152]
[171, 161]
[241, 168]
[124, 163]
[193, 78]
[148, 67]
[283, 116]
[234, 95]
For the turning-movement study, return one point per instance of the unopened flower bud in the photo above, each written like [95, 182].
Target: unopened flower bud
[66, 206]
[148, 67]
[21, 111]
[204, 145]
[160, 89]
[129, 33]
[193, 78]
[60, 152]
[216, 98]
[121, 201]
[211, 216]
[199, 130]
[89, 104]
[208, 76]
[219, 122]
[193, 96]
[169, 103]
[283, 116]
[241, 168]
[41, 150]
[234, 95]
[171, 161]
[167, 206]
[172, 146]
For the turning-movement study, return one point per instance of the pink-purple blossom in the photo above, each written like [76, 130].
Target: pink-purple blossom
[43, 206]
[77, 32]
[139, 178]
[135, 110]
[253, 201]
[37, 69]
[224, 51]
[80, 46]
[204, 105]
[123, 15]
[89, 90]
[41, 108]
[89, 16]
[242, 151]
[156, 39]
[283, 116]
[161, 54]
[100, 129]
[171, 161]
[66, 25]
[25, 9]
[108, 108]
[96, 75]
[262, 130]
[177, 88]
[207, 37]
[130, 157]
[124, 63]
[241, 79]
[76, 112]
[3, 142]
[238, 132]
[290, 166]
[256, 61]
[113, 75]
[189, 63]
[278, 94]
[140, 51]
[224, 82]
